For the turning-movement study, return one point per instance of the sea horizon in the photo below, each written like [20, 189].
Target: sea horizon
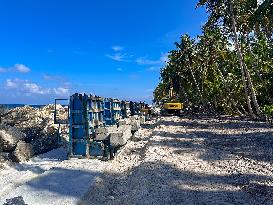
[12, 106]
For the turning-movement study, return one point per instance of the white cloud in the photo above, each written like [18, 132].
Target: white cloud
[61, 91]
[117, 48]
[21, 68]
[145, 61]
[117, 57]
[11, 83]
[33, 88]
[26, 87]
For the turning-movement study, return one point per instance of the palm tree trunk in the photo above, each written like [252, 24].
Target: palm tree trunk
[253, 93]
[240, 56]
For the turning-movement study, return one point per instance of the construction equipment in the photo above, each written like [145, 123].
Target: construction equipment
[171, 106]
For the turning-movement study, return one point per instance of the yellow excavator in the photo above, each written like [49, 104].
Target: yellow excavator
[171, 106]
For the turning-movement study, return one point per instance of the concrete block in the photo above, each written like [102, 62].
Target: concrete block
[125, 128]
[102, 136]
[135, 124]
[121, 136]
[125, 121]
[122, 122]
[102, 133]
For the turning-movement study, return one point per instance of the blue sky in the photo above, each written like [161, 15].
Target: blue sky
[113, 48]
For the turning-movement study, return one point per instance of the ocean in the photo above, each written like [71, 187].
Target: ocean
[12, 106]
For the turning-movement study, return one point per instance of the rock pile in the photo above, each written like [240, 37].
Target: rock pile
[29, 131]
[9, 137]
[15, 201]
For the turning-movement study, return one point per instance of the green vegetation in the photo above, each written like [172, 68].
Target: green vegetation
[228, 69]
[268, 110]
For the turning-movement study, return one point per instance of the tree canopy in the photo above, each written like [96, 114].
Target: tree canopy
[228, 68]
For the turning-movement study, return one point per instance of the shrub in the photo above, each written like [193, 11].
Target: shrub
[268, 110]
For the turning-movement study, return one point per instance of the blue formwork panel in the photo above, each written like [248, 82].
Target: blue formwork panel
[79, 126]
[77, 117]
[123, 109]
[116, 113]
[87, 113]
[100, 118]
[97, 109]
[96, 149]
[78, 132]
[79, 147]
[107, 104]
[116, 110]
[116, 104]
[89, 104]
[90, 115]
[107, 115]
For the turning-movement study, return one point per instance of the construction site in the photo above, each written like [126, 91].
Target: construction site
[136, 102]
[106, 151]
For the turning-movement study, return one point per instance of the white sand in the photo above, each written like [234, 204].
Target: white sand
[49, 179]
[184, 161]
[173, 161]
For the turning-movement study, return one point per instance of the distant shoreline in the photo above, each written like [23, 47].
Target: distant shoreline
[12, 106]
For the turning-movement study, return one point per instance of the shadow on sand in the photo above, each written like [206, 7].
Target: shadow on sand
[163, 183]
